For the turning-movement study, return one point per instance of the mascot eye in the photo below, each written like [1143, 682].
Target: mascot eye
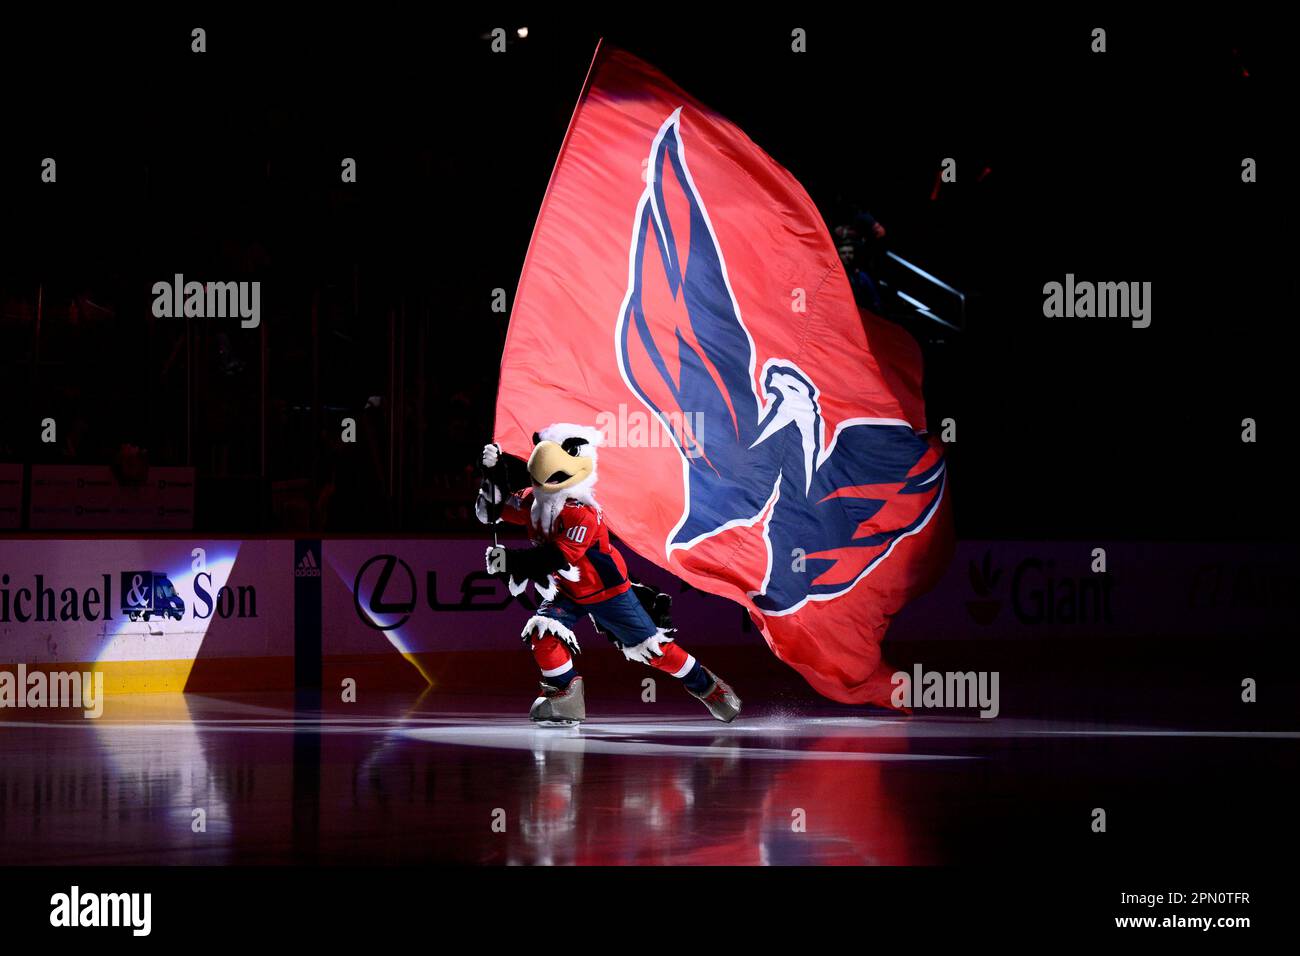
[537, 439]
[572, 445]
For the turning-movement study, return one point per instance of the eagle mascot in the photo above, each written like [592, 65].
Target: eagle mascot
[578, 572]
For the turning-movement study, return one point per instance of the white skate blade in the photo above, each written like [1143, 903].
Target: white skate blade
[557, 723]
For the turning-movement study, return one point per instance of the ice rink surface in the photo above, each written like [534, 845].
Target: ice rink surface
[254, 779]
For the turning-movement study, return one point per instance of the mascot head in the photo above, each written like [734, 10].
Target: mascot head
[562, 466]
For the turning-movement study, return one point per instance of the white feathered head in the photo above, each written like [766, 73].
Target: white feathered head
[562, 466]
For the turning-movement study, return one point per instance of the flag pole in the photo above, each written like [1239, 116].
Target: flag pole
[546, 197]
[523, 271]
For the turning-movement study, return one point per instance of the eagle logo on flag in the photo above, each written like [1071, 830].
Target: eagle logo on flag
[755, 448]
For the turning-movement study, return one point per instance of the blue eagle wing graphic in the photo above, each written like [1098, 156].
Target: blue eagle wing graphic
[861, 502]
[844, 507]
[728, 481]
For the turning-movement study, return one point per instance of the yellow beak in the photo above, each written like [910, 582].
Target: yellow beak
[554, 469]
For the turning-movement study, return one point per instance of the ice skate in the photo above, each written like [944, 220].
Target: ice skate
[560, 706]
[721, 700]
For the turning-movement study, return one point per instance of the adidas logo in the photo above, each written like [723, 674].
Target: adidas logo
[307, 567]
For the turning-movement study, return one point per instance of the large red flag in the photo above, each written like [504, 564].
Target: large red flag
[763, 440]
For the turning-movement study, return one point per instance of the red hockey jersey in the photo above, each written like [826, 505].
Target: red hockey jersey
[583, 538]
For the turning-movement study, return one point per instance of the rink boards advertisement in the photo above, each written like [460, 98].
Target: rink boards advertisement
[176, 614]
[143, 611]
[435, 595]
[426, 596]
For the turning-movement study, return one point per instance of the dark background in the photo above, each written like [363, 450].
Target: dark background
[1123, 166]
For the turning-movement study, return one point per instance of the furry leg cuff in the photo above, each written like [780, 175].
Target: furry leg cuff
[548, 625]
[650, 649]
